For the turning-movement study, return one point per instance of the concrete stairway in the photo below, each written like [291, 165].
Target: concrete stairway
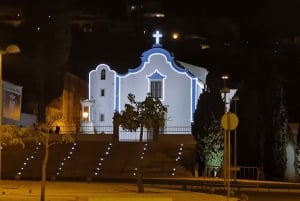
[96, 160]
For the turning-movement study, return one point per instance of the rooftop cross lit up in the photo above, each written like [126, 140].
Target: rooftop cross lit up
[157, 36]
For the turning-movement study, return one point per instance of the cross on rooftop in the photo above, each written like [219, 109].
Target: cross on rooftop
[157, 35]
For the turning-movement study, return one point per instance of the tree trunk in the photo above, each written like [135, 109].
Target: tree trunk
[155, 133]
[140, 171]
[115, 131]
[141, 134]
[140, 182]
[44, 168]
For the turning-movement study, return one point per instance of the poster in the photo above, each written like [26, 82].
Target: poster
[12, 100]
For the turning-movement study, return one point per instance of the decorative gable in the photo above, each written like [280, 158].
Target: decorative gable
[156, 76]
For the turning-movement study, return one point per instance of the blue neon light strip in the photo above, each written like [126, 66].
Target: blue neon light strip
[117, 94]
[193, 98]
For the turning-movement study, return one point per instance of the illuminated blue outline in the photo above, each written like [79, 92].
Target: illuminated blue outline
[156, 76]
[100, 66]
[145, 58]
[117, 93]
[154, 51]
[193, 98]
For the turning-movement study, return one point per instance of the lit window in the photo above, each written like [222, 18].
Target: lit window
[102, 92]
[156, 89]
[103, 74]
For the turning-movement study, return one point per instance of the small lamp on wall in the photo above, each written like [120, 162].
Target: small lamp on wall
[85, 116]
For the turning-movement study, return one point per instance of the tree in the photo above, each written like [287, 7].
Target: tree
[149, 114]
[40, 132]
[12, 135]
[206, 128]
[213, 144]
[277, 135]
[251, 128]
[297, 160]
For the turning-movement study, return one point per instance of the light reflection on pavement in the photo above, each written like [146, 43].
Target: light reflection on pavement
[82, 191]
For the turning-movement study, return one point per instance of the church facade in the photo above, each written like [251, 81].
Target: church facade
[177, 84]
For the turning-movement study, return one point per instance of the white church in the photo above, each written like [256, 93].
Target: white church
[177, 84]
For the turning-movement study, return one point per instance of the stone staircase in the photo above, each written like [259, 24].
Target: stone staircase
[96, 160]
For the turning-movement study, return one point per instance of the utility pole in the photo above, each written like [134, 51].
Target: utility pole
[225, 90]
[229, 122]
[235, 98]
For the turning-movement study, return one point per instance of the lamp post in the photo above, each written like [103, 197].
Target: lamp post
[9, 50]
[225, 90]
[235, 99]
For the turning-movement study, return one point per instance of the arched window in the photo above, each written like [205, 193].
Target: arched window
[103, 72]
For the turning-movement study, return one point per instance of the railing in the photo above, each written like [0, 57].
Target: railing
[102, 129]
[177, 130]
[252, 173]
[134, 136]
[109, 130]
[243, 172]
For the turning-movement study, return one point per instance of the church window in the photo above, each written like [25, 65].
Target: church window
[156, 84]
[101, 117]
[103, 74]
[102, 92]
[156, 89]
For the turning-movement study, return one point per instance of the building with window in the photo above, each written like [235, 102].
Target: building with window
[177, 84]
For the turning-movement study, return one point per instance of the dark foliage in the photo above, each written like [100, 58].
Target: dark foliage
[250, 130]
[277, 128]
[210, 107]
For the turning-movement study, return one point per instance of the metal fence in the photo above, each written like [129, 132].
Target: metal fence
[243, 172]
[252, 173]
[109, 130]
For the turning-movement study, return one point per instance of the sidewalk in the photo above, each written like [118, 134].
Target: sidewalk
[83, 191]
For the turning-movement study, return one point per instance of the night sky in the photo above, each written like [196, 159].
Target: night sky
[239, 34]
[235, 31]
[234, 22]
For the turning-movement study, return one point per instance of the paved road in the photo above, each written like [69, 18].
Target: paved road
[273, 196]
[260, 194]
[84, 191]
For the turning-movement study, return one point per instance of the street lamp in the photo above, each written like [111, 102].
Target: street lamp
[10, 49]
[225, 90]
[235, 99]
[226, 165]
